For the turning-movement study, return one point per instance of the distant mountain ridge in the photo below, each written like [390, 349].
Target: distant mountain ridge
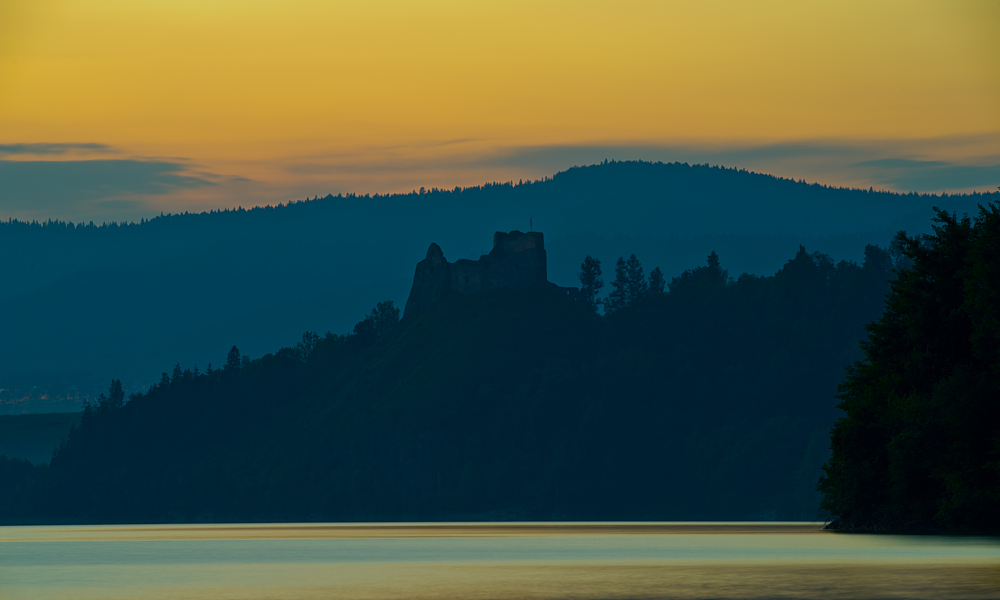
[80, 304]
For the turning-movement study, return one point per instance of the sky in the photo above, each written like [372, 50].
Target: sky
[119, 109]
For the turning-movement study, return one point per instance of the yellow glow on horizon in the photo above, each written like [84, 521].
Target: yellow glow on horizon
[254, 80]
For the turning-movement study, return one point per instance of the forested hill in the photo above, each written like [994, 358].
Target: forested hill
[711, 401]
[80, 303]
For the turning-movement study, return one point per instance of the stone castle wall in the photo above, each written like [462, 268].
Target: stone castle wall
[517, 259]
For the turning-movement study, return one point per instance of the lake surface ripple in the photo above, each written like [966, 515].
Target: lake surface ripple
[489, 561]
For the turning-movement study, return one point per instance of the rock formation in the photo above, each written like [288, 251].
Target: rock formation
[517, 259]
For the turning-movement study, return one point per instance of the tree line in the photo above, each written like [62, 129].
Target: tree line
[710, 399]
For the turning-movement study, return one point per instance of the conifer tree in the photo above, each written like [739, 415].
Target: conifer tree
[715, 270]
[116, 396]
[636, 286]
[233, 360]
[656, 281]
[591, 282]
[617, 299]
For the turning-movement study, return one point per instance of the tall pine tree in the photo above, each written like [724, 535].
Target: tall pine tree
[636, 287]
[656, 281]
[591, 282]
[617, 298]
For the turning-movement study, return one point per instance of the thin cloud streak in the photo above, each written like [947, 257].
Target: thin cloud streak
[901, 163]
[143, 186]
[834, 162]
[75, 187]
[53, 149]
[941, 178]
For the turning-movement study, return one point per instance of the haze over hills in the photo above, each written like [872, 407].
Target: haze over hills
[83, 305]
[500, 397]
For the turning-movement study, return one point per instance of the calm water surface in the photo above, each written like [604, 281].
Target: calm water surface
[490, 561]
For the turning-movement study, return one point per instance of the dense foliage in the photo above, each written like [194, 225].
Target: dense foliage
[919, 448]
[711, 400]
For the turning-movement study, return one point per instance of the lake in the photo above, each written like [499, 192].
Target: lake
[489, 561]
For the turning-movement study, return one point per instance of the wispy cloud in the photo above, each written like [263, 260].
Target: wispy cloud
[939, 164]
[939, 177]
[74, 187]
[901, 163]
[87, 181]
[886, 163]
[52, 149]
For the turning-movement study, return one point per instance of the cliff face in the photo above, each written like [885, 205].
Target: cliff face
[517, 259]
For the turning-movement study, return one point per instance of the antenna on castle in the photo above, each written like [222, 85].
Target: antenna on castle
[531, 224]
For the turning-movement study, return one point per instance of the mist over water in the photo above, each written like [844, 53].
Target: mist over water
[474, 560]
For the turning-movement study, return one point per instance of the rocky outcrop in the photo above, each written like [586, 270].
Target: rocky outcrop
[517, 260]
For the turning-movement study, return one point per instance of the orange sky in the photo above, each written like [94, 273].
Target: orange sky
[273, 100]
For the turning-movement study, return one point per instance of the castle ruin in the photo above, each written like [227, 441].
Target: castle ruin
[517, 260]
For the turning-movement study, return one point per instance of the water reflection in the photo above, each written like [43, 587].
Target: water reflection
[475, 560]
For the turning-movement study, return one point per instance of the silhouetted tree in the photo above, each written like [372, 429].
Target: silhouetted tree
[708, 277]
[177, 373]
[116, 396]
[636, 287]
[308, 343]
[386, 317]
[899, 258]
[379, 322]
[656, 281]
[617, 298]
[713, 261]
[878, 260]
[715, 269]
[591, 282]
[233, 360]
[89, 410]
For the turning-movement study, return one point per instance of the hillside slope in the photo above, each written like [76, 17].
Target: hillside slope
[712, 401]
[79, 304]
